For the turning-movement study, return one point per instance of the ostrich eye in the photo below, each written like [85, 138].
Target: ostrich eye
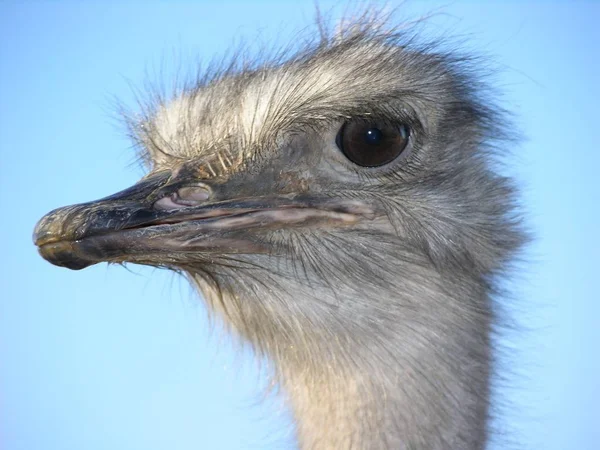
[369, 144]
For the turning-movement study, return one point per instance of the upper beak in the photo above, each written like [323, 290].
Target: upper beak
[165, 219]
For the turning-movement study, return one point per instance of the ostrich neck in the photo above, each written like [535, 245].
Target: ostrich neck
[416, 385]
[391, 371]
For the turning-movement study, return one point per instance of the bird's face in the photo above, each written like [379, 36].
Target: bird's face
[357, 163]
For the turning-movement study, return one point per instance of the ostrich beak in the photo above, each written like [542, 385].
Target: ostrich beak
[169, 220]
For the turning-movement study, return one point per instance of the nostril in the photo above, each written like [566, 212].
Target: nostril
[185, 197]
[193, 194]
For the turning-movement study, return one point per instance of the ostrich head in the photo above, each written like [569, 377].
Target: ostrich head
[338, 208]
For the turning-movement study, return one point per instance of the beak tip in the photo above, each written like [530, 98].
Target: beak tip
[48, 229]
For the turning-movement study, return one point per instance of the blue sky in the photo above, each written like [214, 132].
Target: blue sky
[109, 358]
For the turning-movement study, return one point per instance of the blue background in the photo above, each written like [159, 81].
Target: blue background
[110, 358]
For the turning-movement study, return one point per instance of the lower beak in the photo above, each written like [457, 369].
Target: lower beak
[159, 221]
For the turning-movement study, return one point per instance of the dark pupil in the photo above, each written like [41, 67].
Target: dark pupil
[373, 136]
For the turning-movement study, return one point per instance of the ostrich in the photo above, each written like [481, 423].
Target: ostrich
[339, 210]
